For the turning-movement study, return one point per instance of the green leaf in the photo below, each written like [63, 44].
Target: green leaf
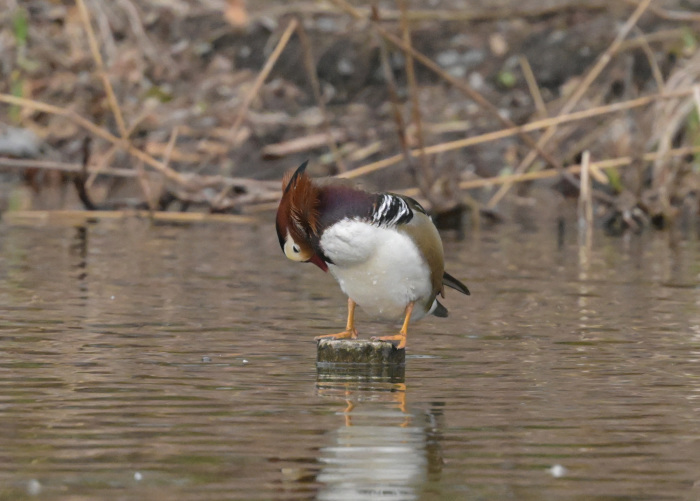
[506, 79]
[615, 179]
[690, 42]
[20, 24]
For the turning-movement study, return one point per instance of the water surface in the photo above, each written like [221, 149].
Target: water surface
[142, 361]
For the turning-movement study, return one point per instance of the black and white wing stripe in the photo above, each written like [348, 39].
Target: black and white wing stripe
[391, 210]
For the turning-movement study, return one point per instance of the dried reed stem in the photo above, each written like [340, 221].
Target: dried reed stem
[455, 82]
[23, 163]
[97, 131]
[316, 88]
[649, 53]
[512, 131]
[262, 76]
[97, 57]
[585, 216]
[395, 105]
[533, 87]
[671, 15]
[610, 163]
[426, 178]
[461, 15]
[102, 164]
[585, 198]
[248, 99]
[73, 216]
[577, 94]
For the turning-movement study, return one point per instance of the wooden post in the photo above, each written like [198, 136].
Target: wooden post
[346, 351]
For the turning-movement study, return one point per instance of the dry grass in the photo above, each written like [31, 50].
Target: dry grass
[666, 143]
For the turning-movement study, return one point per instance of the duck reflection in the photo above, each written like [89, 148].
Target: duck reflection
[381, 449]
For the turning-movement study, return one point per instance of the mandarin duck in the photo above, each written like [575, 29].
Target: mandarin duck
[382, 248]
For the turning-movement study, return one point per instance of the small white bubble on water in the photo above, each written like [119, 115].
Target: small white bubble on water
[138, 476]
[33, 487]
[557, 471]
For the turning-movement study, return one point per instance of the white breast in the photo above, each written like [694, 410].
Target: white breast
[380, 268]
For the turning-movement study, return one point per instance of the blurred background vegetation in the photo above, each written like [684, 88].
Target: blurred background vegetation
[481, 108]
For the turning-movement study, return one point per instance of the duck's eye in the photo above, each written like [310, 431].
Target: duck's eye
[296, 249]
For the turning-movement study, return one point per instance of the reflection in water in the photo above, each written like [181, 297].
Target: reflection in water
[380, 451]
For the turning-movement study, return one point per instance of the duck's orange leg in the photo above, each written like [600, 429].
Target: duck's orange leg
[401, 336]
[350, 330]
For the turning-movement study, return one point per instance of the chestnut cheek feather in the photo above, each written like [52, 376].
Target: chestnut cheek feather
[318, 262]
